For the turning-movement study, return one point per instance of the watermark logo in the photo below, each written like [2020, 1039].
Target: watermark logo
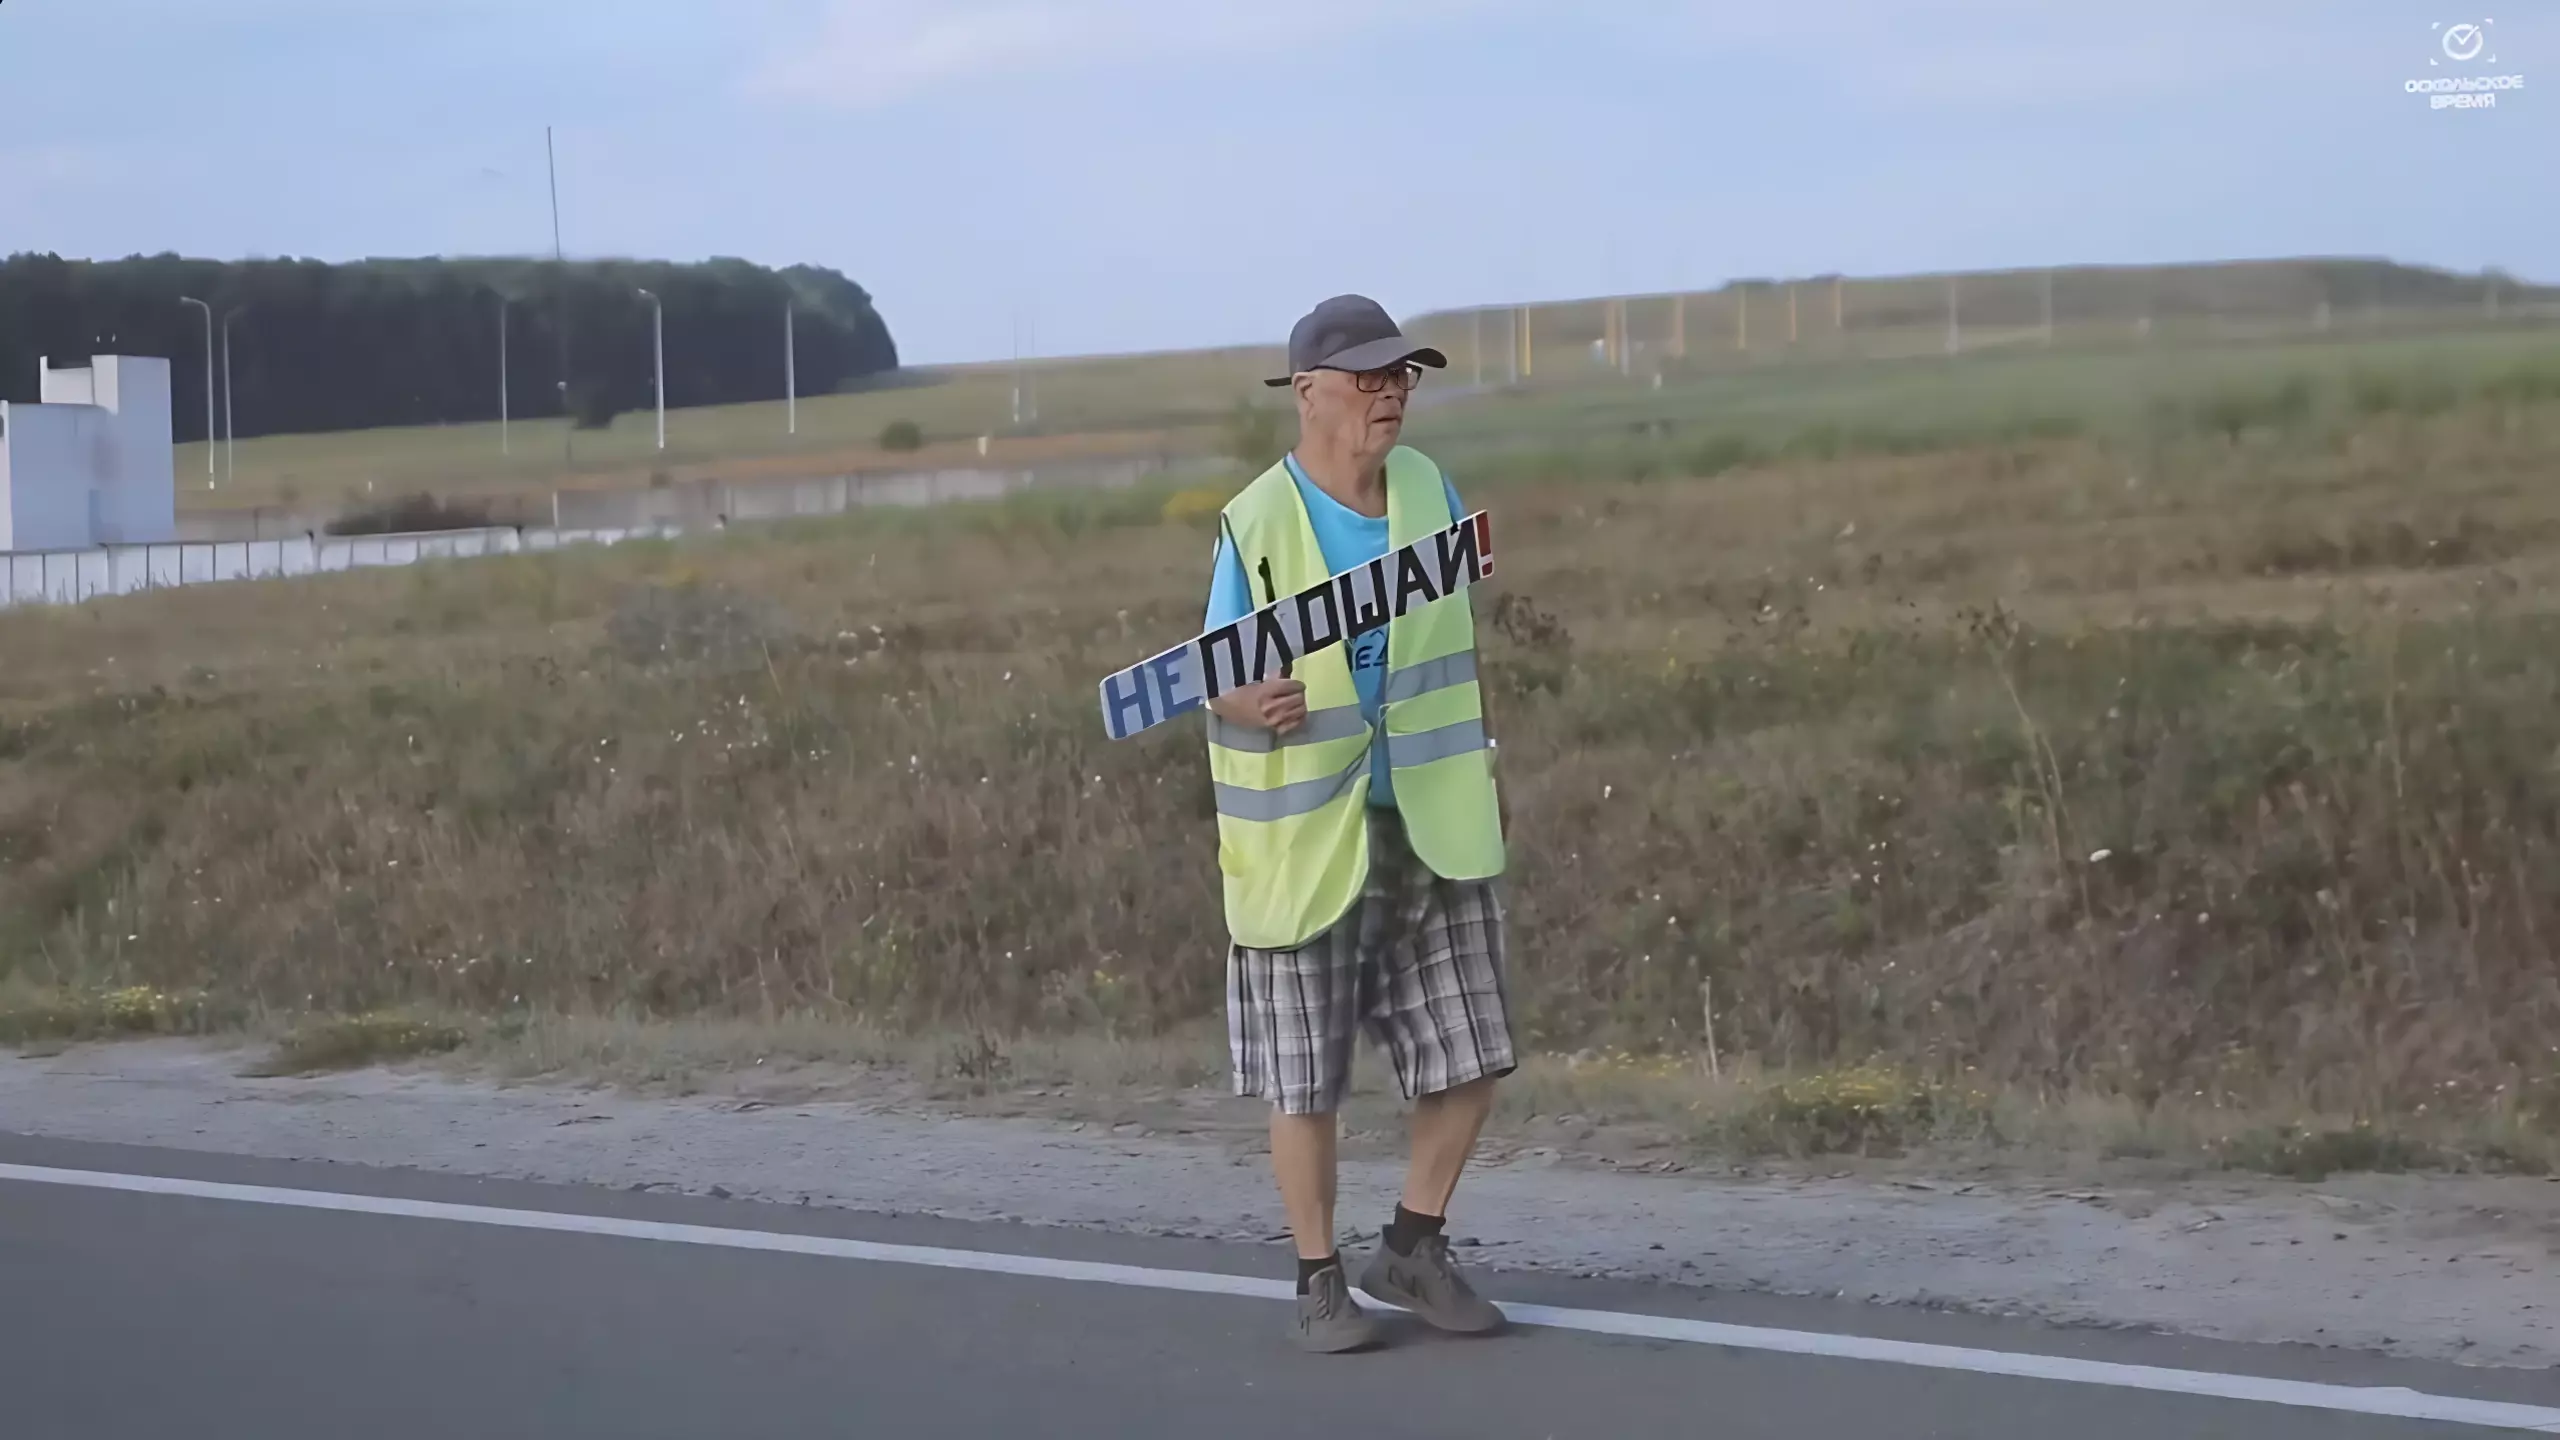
[2463, 68]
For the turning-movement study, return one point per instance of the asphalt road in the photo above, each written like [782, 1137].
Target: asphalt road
[137, 1314]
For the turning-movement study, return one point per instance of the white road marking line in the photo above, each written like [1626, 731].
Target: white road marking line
[2360, 1400]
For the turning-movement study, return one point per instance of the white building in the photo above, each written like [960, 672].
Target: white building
[94, 463]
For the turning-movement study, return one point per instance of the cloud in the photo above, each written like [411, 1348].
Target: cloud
[876, 52]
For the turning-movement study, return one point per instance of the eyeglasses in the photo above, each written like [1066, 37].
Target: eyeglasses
[1403, 377]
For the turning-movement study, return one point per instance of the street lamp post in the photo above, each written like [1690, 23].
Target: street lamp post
[208, 384]
[230, 435]
[658, 326]
[505, 446]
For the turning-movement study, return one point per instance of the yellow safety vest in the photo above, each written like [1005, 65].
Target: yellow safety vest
[1293, 835]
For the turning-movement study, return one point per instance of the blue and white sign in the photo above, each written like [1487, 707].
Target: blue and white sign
[1267, 642]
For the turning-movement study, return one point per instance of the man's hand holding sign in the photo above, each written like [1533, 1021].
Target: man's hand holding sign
[1279, 706]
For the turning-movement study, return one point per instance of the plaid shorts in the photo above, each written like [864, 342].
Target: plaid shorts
[1417, 963]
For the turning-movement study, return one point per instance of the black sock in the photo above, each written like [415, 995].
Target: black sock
[1310, 1269]
[1409, 1230]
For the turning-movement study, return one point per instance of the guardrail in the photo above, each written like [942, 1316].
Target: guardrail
[68, 577]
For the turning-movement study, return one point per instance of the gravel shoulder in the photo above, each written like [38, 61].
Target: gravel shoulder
[2427, 1267]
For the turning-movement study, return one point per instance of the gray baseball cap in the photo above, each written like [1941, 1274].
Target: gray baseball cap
[1352, 332]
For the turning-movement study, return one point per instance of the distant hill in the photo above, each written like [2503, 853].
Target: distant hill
[1763, 313]
[416, 342]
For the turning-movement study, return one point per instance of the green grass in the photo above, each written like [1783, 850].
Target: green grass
[1866, 1110]
[1749, 321]
[2316, 1154]
[33, 1015]
[354, 1042]
[1822, 410]
[950, 406]
[1881, 383]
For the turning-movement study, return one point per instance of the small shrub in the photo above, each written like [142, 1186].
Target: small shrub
[1541, 661]
[1251, 434]
[2531, 383]
[2373, 393]
[1199, 503]
[2297, 1154]
[100, 1015]
[591, 407]
[352, 1042]
[2234, 413]
[2374, 544]
[414, 515]
[1525, 625]
[1863, 1111]
[1826, 441]
[977, 1061]
[902, 436]
[1722, 453]
[692, 624]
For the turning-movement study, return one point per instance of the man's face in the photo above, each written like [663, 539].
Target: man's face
[1364, 412]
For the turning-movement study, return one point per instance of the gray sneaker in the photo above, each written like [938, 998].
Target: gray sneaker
[1427, 1283]
[1329, 1320]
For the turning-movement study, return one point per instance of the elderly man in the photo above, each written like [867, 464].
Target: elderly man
[1359, 835]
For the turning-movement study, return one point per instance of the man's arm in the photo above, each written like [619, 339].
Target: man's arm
[1279, 705]
[1484, 695]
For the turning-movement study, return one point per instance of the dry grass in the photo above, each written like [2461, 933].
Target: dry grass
[354, 1042]
[818, 1048]
[33, 1016]
[2068, 772]
[1640, 1108]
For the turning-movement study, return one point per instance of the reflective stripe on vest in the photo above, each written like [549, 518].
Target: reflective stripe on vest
[1293, 842]
[1303, 797]
[1342, 722]
[1415, 681]
[1407, 751]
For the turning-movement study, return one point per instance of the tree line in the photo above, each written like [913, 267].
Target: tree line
[318, 346]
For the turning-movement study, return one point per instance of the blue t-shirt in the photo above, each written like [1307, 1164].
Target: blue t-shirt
[1348, 539]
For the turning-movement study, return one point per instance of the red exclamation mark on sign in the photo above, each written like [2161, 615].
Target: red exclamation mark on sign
[1484, 539]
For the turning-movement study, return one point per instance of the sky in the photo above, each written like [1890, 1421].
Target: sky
[1115, 175]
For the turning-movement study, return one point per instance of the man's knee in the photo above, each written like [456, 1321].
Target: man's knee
[1467, 1091]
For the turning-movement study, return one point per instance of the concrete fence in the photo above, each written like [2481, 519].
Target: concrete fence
[68, 577]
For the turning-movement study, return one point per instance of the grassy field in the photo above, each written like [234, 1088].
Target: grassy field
[2126, 400]
[2193, 758]
[1764, 347]
[1750, 320]
[1184, 404]
[1108, 406]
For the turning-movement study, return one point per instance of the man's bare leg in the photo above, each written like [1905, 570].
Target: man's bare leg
[1445, 1127]
[1302, 1160]
[1412, 1267]
[1302, 1155]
